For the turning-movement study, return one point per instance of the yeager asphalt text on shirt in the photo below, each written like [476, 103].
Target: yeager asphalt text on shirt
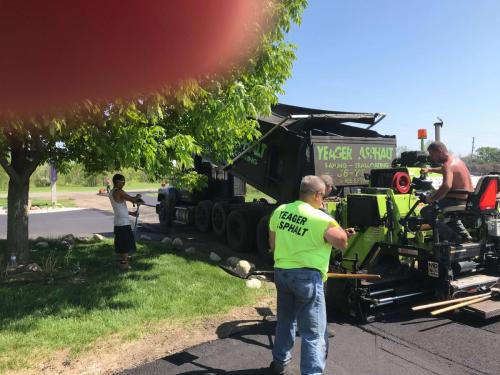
[293, 223]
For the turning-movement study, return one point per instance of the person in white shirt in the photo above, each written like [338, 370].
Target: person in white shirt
[124, 237]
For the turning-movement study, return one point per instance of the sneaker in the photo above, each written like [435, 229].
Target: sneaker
[278, 369]
[331, 332]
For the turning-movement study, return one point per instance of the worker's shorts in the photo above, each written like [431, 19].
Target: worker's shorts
[124, 240]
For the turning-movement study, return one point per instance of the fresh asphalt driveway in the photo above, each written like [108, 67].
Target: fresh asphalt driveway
[410, 345]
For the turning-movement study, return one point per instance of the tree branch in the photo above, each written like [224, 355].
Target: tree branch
[33, 164]
[8, 168]
[35, 152]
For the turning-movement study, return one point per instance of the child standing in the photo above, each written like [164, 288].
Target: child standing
[124, 238]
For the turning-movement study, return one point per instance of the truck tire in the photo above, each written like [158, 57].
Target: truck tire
[203, 216]
[262, 241]
[220, 211]
[240, 230]
[164, 215]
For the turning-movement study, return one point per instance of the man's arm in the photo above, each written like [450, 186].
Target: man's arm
[336, 236]
[432, 170]
[445, 186]
[272, 240]
[120, 195]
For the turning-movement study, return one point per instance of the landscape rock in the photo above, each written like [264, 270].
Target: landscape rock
[69, 238]
[177, 243]
[97, 237]
[243, 268]
[253, 283]
[84, 238]
[166, 240]
[190, 251]
[42, 244]
[214, 257]
[232, 261]
[145, 237]
[260, 277]
[65, 245]
[33, 267]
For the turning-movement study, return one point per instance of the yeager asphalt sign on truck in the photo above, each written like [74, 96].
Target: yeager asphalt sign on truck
[347, 159]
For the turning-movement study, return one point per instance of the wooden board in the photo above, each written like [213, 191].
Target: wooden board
[486, 309]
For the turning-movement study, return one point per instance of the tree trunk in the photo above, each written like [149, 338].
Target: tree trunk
[17, 219]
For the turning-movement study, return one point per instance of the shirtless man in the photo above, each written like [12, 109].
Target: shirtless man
[456, 176]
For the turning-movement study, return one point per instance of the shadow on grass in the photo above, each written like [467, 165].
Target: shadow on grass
[93, 288]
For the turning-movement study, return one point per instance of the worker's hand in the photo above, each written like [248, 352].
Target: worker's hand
[350, 232]
[425, 198]
[424, 170]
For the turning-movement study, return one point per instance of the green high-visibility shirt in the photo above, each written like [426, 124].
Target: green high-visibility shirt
[300, 242]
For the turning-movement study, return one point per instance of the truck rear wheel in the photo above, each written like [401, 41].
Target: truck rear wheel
[164, 215]
[220, 211]
[262, 240]
[240, 230]
[203, 216]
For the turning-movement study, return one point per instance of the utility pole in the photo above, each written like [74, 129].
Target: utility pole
[472, 153]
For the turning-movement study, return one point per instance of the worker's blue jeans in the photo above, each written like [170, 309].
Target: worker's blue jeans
[454, 230]
[301, 303]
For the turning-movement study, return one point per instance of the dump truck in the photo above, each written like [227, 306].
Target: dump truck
[295, 142]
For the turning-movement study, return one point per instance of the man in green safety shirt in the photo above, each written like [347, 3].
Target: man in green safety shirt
[302, 237]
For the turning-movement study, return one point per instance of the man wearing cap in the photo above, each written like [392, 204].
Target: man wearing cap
[302, 237]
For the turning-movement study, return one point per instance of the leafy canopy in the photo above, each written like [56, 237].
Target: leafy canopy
[160, 132]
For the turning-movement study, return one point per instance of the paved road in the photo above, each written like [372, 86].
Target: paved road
[54, 224]
[78, 222]
[417, 346]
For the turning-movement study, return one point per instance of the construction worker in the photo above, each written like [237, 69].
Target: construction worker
[328, 180]
[456, 176]
[301, 237]
[124, 237]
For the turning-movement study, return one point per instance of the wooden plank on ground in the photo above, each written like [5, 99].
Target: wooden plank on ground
[485, 309]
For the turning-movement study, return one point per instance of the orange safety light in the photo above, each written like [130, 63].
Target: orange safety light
[422, 133]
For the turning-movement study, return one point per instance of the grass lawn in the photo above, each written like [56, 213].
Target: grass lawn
[44, 202]
[38, 318]
[253, 193]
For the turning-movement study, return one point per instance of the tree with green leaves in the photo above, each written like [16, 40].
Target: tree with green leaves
[487, 155]
[158, 132]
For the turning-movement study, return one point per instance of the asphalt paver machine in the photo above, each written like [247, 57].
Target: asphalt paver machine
[394, 241]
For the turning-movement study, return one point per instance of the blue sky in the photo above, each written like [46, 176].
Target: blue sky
[411, 59]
